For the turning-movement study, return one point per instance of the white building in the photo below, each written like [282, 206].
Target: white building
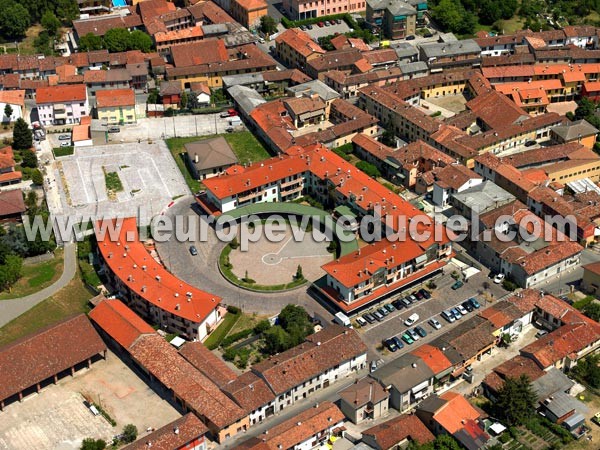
[62, 105]
[16, 100]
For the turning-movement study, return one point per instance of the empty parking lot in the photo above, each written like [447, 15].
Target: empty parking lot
[147, 172]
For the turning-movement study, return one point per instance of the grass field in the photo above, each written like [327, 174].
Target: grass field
[70, 300]
[214, 340]
[113, 182]
[36, 277]
[245, 146]
[62, 151]
[246, 321]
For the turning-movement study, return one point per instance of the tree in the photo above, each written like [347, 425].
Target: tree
[130, 433]
[116, 40]
[388, 138]
[516, 400]
[93, 444]
[14, 19]
[37, 177]
[368, 168]
[489, 12]
[22, 137]
[453, 16]
[89, 42]
[42, 43]
[138, 40]
[50, 23]
[262, 326]
[10, 271]
[299, 275]
[268, 25]
[183, 101]
[29, 159]
[8, 112]
[276, 339]
[592, 310]
[585, 108]
[67, 10]
[587, 369]
[30, 200]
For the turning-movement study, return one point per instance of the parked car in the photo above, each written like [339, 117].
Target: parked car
[541, 333]
[457, 285]
[327, 23]
[473, 301]
[419, 295]
[309, 26]
[114, 129]
[338, 21]
[398, 304]
[499, 278]
[389, 307]
[530, 143]
[64, 137]
[406, 338]
[421, 331]
[413, 334]
[406, 301]
[303, 27]
[369, 318]
[384, 312]
[390, 345]
[434, 323]
[378, 316]
[261, 40]
[362, 322]
[413, 298]
[410, 37]
[411, 319]
[461, 309]
[467, 305]
[447, 314]
[596, 418]
[193, 250]
[373, 366]
[229, 129]
[398, 342]
[457, 315]
[320, 24]
[425, 293]
[65, 144]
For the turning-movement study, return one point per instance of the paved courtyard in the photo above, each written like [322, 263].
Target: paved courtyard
[148, 173]
[57, 418]
[272, 263]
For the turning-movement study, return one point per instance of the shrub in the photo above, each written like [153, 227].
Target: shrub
[505, 437]
[234, 243]
[233, 309]
[509, 285]
[262, 326]
[236, 337]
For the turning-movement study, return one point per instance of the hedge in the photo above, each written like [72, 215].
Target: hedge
[236, 337]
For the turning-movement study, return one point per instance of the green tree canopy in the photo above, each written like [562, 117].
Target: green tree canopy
[29, 158]
[93, 444]
[453, 16]
[67, 10]
[14, 19]
[516, 400]
[10, 271]
[8, 112]
[277, 340]
[90, 42]
[22, 137]
[592, 310]
[268, 25]
[116, 40]
[138, 40]
[50, 22]
[130, 433]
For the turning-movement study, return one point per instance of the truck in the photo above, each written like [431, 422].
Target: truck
[235, 121]
[342, 319]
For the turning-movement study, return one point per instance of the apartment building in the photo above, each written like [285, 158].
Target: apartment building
[62, 105]
[249, 12]
[116, 106]
[397, 19]
[438, 56]
[295, 48]
[300, 10]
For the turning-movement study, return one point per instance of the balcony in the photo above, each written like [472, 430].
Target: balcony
[250, 196]
[291, 191]
[289, 183]
[358, 291]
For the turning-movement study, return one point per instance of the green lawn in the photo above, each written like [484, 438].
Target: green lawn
[215, 338]
[246, 321]
[113, 182]
[246, 147]
[36, 277]
[70, 300]
[511, 25]
[62, 151]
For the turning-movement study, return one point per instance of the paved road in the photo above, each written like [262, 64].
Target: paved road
[11, 309]
[202, 271]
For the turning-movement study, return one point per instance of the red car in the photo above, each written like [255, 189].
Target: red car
[321, 24]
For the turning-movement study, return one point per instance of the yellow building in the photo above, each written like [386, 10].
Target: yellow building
[580, 131]
[116, 106]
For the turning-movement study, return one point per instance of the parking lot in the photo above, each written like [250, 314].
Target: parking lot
[442, 298]
[58, 419]
[149, 176]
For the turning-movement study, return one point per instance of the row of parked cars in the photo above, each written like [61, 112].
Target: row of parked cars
[380, 313]
[322, 24]
[412, 335]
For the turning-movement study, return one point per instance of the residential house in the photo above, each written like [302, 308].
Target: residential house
[397, 19]
[185, 433]
[451, 179]
[249, 12]
[12, 206]
[366, 399]
[480, 199]
[209, 157]
[580, 131]
[590, 282]
[170, 93]
[397, 433]
[564, 409]
[438, 56]
[312, 428]
[16, 100]
[299, 10]
[450, 413]
[98, 80]
[295, 48]
[202, 93]
[254, 395]
[62, 105]
[116, 106]
[8, 174]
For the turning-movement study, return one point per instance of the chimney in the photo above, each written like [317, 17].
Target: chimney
[196, 158]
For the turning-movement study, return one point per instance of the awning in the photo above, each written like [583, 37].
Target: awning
[420, 386]
[177, 342]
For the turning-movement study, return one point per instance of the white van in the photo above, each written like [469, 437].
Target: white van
[342, 319]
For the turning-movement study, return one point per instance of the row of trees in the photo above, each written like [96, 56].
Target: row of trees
[18, 16]
[117, 40]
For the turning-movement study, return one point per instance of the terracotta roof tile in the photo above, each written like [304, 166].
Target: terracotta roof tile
[456, 410]
[61, 94]
[249, 391]
[188, 427]
[390, 433]
[112, 98]
[208, 363]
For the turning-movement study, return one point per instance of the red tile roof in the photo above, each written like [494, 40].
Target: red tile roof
[299, 41]
[120, 322]
[132, 264]
[249, 391]
[61, 94]
[208, 363]
[13, 97]
[433, 357]
[197, 53]
[11, 202]
[7, 158]
[39, 356]
[455, 412]
[394, 431]
[114, 98]
[174, 435]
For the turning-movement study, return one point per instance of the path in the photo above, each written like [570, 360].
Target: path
[11, 309]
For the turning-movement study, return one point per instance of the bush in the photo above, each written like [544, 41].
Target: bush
[37, 177]
[236, 337]
[233, 309]
[130, 433]
[505, 437]
[509, 285]
[262, 326]
[341, 154]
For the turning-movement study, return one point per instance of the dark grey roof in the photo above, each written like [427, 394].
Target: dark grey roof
[247, 99]
[550, 383]
[211, 153]
[404, 373]
[431, 404]
[395, 7]
[315, 87]
[436, 50]
[413, 67]
[405, 50]
[242, 78]
[562, 404]
[484, 197]
[573, 130]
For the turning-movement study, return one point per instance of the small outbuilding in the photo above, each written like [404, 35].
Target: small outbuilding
[209, 157]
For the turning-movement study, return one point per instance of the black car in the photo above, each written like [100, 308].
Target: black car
[193, 250]
[369, 318]
[309, 26]
[398, 304]
[467, 305]
[390, 345]
[425, 293]
[410, 37]
[530, 143]
[398, 342]
[421, 331]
